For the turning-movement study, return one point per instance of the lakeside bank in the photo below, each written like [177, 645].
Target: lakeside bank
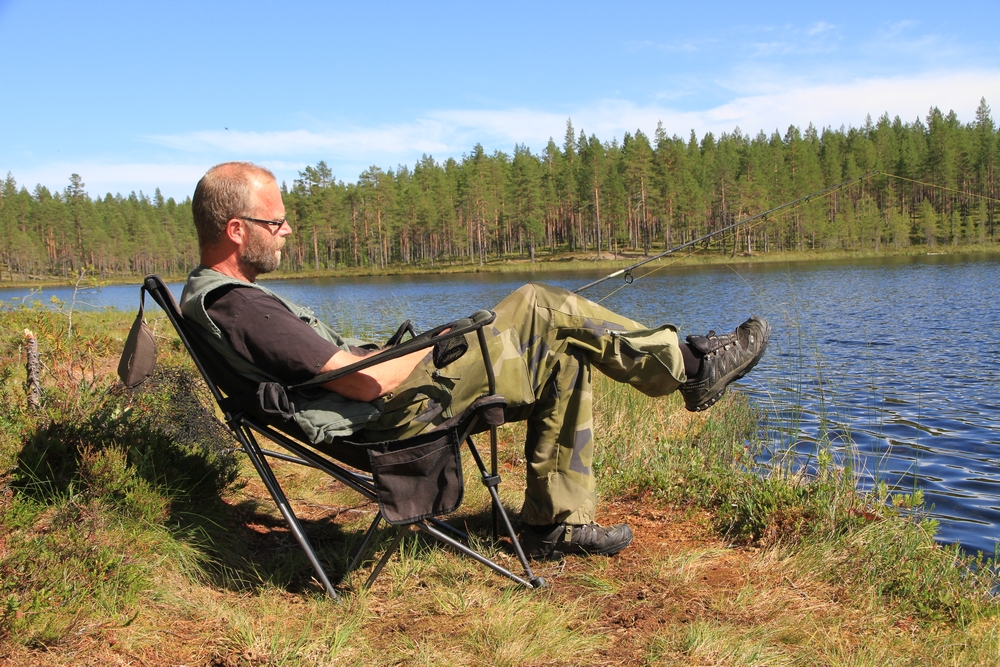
[558, 262]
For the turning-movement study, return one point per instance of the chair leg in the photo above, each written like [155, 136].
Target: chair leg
[255, 455]
[494, 467]
[438, 523]
[531, 582]
[361, 548]
[400, 533]
[491, 482]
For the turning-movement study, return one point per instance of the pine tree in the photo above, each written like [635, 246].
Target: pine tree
[528, 203]
[984, 159]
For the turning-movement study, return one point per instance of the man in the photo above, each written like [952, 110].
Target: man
[544, 343]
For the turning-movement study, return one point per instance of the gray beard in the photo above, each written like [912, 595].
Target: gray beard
[259, 255]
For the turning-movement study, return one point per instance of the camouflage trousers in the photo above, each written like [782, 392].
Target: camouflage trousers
[544, 344]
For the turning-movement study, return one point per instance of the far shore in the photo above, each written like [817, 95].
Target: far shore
[559, 261]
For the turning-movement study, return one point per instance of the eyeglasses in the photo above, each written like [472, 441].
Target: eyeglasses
[270, 223]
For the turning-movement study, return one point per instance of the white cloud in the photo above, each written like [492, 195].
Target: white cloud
[421, 135]
[513, 126]
[893, 29]
[819, 28]
[823, 105]
[849, 103]
[100, 178]
[679, 46]
[452, 132]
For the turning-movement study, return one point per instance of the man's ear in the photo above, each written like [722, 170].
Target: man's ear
[235, 231]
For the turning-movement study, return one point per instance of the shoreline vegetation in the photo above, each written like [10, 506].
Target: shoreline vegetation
[130, 533]
[557, 262]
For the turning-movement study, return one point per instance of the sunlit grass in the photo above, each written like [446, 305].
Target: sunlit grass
[127, 539]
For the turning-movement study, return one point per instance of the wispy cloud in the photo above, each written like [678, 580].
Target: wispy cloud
[122, 177]
[897, 28]
[422, 135]
[819, 28]
[452, 132]
[901, 41]
[678, 46]
[848, 103]
[780, 42]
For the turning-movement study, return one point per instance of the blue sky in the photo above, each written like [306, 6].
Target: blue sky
[143, 94]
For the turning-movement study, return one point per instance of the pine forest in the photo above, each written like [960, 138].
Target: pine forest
[937, 187]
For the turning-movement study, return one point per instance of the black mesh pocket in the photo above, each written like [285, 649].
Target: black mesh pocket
[420, 481]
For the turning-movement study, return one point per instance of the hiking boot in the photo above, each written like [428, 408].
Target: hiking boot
[724, 359]
[554, 541]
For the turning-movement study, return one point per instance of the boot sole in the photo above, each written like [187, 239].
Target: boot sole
[766, 336]
[560, 550]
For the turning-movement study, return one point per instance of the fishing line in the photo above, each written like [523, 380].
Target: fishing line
[761, 218]
[627, 272]
[941, 187]
[629, 278]
[758, 219]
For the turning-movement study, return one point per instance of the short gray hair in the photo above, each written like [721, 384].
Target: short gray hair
[223, 193]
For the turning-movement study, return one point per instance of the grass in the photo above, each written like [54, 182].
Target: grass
[129, 534]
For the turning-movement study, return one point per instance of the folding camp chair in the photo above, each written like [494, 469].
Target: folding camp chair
[413, 480]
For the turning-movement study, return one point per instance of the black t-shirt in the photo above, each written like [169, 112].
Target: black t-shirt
[266, 334]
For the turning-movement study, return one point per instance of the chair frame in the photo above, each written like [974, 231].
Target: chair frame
[245, 427]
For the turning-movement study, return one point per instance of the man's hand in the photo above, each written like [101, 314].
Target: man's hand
[378, 380]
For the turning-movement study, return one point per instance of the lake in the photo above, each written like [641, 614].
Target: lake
[900, 356]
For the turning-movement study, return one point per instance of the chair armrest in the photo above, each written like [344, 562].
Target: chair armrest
[428, 339]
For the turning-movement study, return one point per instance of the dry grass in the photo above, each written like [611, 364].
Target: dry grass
[678, 596]
[234, 589]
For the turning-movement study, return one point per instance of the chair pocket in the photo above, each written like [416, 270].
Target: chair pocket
[139, 354]
[419, 482]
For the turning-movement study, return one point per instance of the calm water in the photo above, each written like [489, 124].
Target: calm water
[901, 356]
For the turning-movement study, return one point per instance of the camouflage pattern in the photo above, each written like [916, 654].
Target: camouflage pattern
[544, 343]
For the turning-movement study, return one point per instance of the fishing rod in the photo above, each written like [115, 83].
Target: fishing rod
[628, 270]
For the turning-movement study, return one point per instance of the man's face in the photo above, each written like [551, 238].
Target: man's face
[261, 252]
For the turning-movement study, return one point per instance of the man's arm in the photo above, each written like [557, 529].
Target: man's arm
[378, 380]
[266, 334]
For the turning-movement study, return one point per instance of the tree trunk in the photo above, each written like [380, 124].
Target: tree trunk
[315, 249]
[597, 213]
